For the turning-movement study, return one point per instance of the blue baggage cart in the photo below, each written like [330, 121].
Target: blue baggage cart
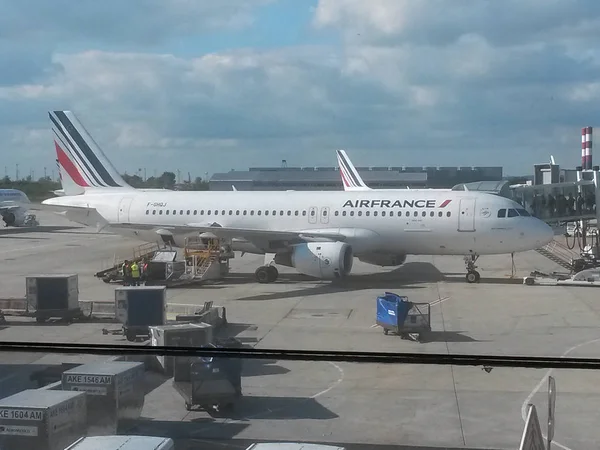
[397, 314]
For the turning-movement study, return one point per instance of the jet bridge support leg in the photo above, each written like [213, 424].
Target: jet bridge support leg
[472, 275]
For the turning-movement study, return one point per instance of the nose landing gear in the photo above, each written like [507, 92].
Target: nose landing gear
[472, 275]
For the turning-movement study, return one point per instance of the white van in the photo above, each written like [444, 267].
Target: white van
[122, 443]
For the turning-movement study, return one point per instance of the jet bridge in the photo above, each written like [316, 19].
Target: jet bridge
[570, 208]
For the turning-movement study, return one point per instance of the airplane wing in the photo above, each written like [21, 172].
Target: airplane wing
[265, 239]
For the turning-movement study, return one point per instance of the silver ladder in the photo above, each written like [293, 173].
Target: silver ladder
[558, 253]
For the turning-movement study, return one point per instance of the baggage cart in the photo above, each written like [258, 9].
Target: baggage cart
[397, 314]
[211, 384]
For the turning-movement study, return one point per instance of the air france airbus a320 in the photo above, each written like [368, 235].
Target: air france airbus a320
[317, 233]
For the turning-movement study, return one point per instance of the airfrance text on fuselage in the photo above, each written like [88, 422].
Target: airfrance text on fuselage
[393, 204]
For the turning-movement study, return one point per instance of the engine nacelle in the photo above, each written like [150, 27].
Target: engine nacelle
[14, 218]
[324, 260]
[383, 259]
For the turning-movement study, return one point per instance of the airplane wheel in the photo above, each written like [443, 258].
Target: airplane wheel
[262, 274]
[472, 276]
[273, 273]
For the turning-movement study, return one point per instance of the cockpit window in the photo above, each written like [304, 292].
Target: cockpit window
[502, 213]
[512, 213]
[523, 212]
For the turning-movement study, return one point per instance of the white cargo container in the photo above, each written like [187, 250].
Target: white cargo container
[123, 443]
[42, 419]
[115, 392]
[179, 335]
[292, 446]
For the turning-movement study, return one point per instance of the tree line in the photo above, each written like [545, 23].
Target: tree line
[44, 187]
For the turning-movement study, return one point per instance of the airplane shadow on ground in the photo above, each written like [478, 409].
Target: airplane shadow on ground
[410, 275]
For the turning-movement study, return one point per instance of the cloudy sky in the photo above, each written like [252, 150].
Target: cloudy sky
[209, 86]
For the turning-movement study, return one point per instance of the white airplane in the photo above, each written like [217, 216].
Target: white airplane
[15, 207]
[317, 233]
[352, 180]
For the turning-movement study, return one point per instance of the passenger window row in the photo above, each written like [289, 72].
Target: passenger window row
[280, 213]
[513, 212]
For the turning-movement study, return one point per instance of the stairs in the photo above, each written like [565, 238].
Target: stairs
[558, 253]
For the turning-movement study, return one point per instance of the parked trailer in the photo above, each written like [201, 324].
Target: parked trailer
[123, 443]
[42, 419]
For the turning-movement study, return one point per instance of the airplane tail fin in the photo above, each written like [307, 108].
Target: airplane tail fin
[82, 164]
[350, 177]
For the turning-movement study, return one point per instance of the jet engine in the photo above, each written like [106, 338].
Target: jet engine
[324, 260]
[383, 259]
[14, 218]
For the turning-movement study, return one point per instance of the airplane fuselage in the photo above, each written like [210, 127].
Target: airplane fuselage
[408, 222]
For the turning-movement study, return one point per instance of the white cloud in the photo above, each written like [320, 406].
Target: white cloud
[435, 82]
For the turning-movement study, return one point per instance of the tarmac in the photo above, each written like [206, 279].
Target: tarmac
[408, 406]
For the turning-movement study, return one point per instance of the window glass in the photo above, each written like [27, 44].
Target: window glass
[502, 213]
[512, 213]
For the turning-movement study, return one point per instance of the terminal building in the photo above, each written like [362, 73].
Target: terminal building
[328, 178]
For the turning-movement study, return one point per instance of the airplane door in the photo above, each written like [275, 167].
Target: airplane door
[466, 215]
[124, 206]
[312, 214]
[325, 214]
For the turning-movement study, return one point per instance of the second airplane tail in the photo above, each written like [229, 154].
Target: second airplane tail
[350, 177]
[81, 163]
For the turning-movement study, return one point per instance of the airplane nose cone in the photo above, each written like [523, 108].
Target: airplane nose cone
[544, 233]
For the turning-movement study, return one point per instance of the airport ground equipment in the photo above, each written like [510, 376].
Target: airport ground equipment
[212, 384]
[584, 278]
[203, 259]
[53, 296]
[179, 335]
[397, 314]
[292, 446]
[140, 307]
[113, 271]
[123, 443]
[114, 391]
[42, 419]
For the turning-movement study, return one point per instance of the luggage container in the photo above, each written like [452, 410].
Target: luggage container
[115, 392]
[53, 296]
[404, 318]
[140, 307]
[213, 384]
[179, 335]
[42, 419]
[292, 446]
[123, 443]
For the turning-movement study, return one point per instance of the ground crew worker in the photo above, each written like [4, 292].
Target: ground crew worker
[126, 273]
[144, 270]
[135, 274]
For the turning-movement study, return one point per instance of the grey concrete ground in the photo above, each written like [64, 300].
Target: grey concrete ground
[379, 404]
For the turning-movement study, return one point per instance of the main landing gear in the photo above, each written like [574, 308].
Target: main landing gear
[266, 274]
[472, 275]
